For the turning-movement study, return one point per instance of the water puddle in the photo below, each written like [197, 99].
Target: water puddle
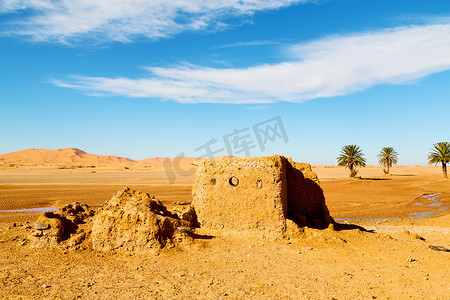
[360, 219]
[35, 209]
[434, 198]
[427, 214]
[435, 203]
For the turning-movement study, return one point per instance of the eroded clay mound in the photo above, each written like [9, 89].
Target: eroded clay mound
[130, 221]
[133, 221]
[67, 227]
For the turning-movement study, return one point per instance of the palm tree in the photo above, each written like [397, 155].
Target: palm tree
[388, 157]
[351, 156]
[440, 153]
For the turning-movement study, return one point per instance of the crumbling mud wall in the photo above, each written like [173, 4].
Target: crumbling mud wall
[268, 197]
[242, 196]
[255, 196]
[130, 221]
[68, 227]
[305, 198]
[134, 221]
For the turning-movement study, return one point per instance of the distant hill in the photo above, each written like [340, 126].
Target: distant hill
[182, 160]
[158, 160]
[153, 160]
[65, 155]
[75, 155]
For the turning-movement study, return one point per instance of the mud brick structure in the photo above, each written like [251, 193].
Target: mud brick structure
[256, 196]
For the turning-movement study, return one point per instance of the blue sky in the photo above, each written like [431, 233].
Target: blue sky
[158, 78]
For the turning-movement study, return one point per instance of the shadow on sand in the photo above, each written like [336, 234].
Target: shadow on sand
[373, 178]
[202, 237]
[342, 226]
[404, 175]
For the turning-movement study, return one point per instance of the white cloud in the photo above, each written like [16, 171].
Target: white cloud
[7, 6]
[327, 67]
[246, 44]
[68, 21]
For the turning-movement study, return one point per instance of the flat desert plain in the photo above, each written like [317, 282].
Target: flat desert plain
[402, 214]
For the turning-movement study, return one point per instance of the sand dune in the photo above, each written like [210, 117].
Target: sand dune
[75, 155]
[152, 160]
[181, 160]
[65, 155]
[160, 160]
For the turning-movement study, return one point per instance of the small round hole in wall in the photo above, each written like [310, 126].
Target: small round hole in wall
[233, 181]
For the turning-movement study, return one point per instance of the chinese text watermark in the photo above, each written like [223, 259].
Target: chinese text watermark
[238, 142]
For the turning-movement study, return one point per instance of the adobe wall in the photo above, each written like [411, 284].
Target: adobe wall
[242, 196]
[255, 196]
[306, 201]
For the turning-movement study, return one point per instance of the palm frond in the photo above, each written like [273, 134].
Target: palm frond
[351, 156]
[440, 153]
[387, 157]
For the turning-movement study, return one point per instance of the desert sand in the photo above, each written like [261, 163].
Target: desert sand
[391, 260]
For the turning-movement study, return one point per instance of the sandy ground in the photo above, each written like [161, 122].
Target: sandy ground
[392, 260]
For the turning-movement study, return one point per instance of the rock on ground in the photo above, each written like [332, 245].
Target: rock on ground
[54, 228]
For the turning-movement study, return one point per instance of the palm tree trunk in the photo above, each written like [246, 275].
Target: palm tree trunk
[444, 169]
[388, 168]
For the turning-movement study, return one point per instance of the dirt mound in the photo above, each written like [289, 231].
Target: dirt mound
[67, 227]
[130, 221]
[65, 155]
[134, 222]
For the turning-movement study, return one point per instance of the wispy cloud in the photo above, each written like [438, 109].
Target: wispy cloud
[246, 44]
[69, 21]
[328, 67]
